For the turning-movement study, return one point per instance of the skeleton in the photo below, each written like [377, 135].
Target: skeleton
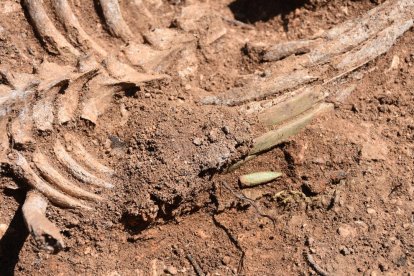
[308, 76]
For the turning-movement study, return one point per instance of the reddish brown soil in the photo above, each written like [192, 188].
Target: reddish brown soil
[347, 189]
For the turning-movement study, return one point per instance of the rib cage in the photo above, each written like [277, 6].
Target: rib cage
[33, 104]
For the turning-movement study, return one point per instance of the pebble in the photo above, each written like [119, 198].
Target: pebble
[371, 211]
[345, 251]
[197, 141]
[171, 270]
[346, 231]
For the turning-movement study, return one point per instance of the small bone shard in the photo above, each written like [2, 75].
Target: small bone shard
[77, 170]
[23, 170]
[4, 139]
[68, 102]
[52, 39]
[126, 73]
[46, 235]
[77, 34]
[99, 96]
[286, 49]
[21, 129]
[148, 59]
[43, 109]
[54, 177]
[164, 39]
[83, 155]
[114, 20]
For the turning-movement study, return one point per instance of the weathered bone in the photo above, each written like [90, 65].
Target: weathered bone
[147, 58]
[23, 170]
[83, 155]
[77, 34]
[43, 109]
[261, 88]
[21, 128]
[67, 103]
[53, 40]
[114, 19]
[46, 235]
[4, 139]
[101, 90]
[77, 170]
[54, 177]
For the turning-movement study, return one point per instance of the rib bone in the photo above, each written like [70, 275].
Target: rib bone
[114, 20]
[53, 40]
[23, 170]
[54, 177]
[77, 170]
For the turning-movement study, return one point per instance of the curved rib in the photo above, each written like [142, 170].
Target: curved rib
[82, 154]
[23, 170]
[77, 34]
[54, 177]
[114, 20]
[53, 40]
[77, 170]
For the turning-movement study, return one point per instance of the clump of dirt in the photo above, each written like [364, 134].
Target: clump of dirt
[347, 190]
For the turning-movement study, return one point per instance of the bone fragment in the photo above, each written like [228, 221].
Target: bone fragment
[23, 170]
[76, 169]
[46, 235]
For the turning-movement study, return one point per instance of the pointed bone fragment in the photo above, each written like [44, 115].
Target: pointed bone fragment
[68, 102]
[43, 109]
[21, 129]
[54, 177]
[52, 39]
[126, 73]
[147, 58]
[46, 235]
[114, 20]
[77, 34]
[281, 134]
[100, 93]
[286, 49]
[23, 170]
[4, 139]
[83, 155]
[259, 89]
[77, 170]
[164, 39]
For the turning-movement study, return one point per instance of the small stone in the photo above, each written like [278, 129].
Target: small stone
[383, 267]
[374, 273]
[345, 251]
[171, 270]
[309, 241]
[371, 211]
[197, 141]
[346, 231]
[226, 130]
[226, 260]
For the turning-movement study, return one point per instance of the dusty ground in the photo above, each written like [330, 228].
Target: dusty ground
[347, 185]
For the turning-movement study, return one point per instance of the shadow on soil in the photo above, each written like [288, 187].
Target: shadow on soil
[13, 240]
[252, 11]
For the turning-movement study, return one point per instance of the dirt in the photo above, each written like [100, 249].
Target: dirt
[346, 196]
